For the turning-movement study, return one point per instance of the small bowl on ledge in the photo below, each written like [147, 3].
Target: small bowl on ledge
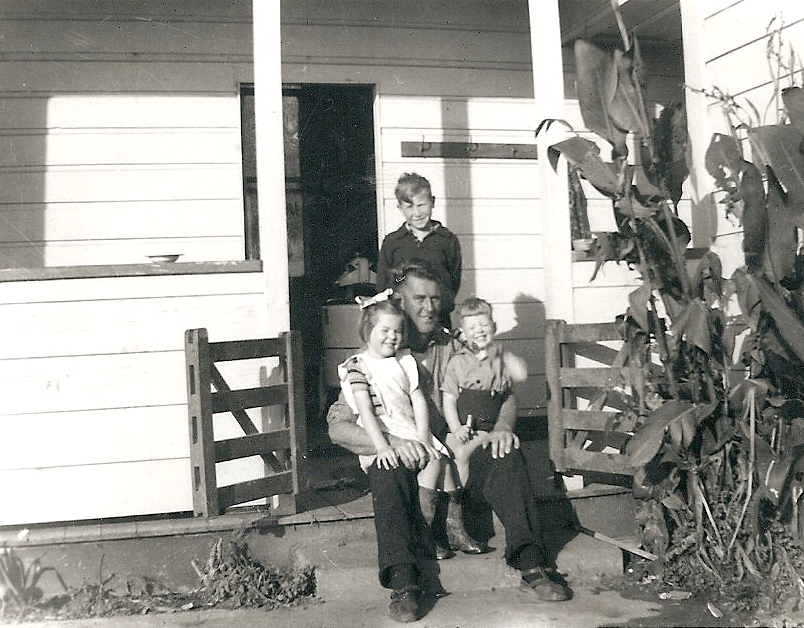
[582, 244]
[168, 258]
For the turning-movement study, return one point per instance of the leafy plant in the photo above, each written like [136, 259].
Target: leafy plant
[232, 578]
[18, 582]
[718, 464]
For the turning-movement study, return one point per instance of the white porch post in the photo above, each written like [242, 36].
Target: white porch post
[548, 91]
[704, 223]
[271, 161]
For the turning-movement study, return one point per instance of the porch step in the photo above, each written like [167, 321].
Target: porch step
[345, 556]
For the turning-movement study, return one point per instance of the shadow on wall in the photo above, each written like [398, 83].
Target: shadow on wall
[526, 339]
[22, 194]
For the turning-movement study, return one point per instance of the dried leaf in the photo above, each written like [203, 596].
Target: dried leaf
[672, 142]
[714, 610]
[675, 595]
[723, 160]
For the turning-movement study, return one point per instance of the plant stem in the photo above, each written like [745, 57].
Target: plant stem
[752, 393]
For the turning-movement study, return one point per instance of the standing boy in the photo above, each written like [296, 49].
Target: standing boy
[421, 238]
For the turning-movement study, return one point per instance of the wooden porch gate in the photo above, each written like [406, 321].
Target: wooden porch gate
[282, 450]
[587, 374]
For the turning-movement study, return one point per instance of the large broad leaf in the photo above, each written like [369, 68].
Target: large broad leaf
[596, 77]
[638, 305]
[781, 236]
[707, 280]
[747, 296]
[789, 326]
[627, 109]
[693, 325]
[645, 443]
[778, 148]
[793, 98]
[633, 206]
[754, 216]
[585, 156]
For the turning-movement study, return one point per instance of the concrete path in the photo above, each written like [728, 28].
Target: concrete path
[501, 608]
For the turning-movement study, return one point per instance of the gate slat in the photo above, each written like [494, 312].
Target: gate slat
[246, 349]
[601, 420]
[597, 461]
[254, 445]
[254, 489]
[225, 400]
[593, 377]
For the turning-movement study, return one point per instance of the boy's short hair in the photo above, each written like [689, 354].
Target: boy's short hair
[474, 306]
[409, 185]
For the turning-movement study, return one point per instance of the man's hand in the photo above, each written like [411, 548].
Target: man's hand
[501, 442]
[411, 453]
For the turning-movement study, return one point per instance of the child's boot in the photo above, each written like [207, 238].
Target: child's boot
[428, 500]
[458, 538]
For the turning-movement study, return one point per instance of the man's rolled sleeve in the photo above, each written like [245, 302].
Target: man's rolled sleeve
[340, 411]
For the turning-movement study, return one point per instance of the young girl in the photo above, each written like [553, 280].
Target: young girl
[381, 385]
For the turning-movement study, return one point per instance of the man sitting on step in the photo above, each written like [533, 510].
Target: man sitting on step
[498, 471]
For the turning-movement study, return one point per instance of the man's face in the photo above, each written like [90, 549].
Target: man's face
[418, 211]
[421, 300]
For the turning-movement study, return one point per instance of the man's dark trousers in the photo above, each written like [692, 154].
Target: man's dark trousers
[403, 537]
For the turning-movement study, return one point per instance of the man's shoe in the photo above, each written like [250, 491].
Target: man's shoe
[543, 586]
[404, 606]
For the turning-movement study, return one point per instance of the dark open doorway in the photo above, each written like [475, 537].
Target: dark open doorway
[334, 197]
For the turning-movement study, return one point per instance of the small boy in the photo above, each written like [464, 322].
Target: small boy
[421, 238]
[478, 379]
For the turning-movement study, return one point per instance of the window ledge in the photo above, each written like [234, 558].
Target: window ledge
[129, 270]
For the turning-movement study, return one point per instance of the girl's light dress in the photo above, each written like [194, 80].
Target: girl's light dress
[390, 382]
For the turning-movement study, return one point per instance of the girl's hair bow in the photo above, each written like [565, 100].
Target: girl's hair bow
[364, 302]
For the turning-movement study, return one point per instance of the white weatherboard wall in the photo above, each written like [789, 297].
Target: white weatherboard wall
[725, 47]
[457, 72]
[120, 138]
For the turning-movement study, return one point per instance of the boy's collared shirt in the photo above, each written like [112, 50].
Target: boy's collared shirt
[433, 225]
[467, 369]
[439, 246]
